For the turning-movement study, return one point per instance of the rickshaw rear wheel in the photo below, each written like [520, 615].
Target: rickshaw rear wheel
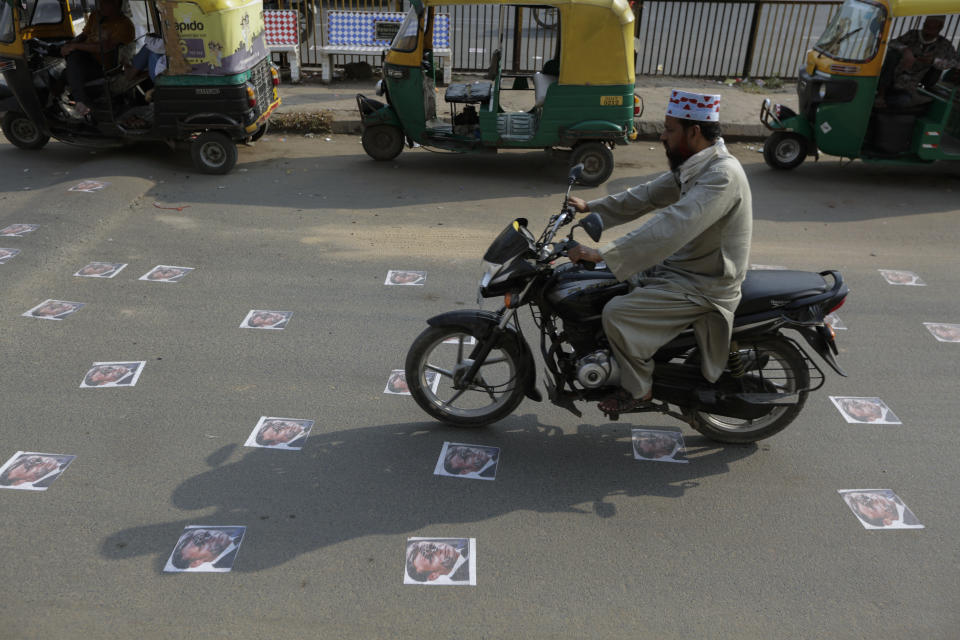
[597, 162]
[213, 152]
[22, 132]
[382, 142]
[784, 150]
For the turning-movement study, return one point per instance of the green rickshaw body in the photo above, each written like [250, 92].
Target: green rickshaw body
[217, 59]
[583, 97]
[218, 87]
[839, 113]
[840, 127]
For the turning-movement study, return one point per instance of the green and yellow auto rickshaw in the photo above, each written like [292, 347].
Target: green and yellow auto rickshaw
[218, 88]
[583, 97]
[839, 113]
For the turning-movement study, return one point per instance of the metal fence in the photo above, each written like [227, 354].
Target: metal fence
[738, 38]
[692, 38]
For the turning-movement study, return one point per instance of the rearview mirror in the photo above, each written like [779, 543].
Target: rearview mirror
[575, 172]
[593, 225]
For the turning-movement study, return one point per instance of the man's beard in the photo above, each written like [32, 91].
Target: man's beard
[676, 158]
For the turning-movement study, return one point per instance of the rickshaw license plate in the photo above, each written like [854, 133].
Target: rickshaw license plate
[611, 101]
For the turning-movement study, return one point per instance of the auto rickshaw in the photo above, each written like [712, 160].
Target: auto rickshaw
[583, 97]
[839, 114]
[219, 87]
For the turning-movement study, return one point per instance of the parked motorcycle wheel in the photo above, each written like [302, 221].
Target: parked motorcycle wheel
[21, 132]
[773, 364]
[496, 391]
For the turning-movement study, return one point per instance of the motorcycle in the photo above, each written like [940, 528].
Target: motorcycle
[470, 368]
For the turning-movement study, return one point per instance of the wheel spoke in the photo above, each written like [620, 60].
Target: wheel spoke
[460, 349]
[442, 372]
[489, 361]
[446, 403]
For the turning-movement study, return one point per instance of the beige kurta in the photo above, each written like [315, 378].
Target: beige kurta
[686, 262]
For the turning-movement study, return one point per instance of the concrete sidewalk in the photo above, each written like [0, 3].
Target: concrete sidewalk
[739, 110]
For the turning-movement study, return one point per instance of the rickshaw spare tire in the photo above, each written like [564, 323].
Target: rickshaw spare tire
[22, 132]
[597, 162]
[382, 141]
[785, 150]
[213, 152]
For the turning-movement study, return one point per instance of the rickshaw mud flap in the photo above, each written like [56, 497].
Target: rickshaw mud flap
[481, 324]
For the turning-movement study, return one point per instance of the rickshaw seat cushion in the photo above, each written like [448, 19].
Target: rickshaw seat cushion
[542, 82]
[474, 92]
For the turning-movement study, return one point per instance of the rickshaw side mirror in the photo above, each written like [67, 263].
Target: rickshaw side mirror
[575, 172]
[593, 225]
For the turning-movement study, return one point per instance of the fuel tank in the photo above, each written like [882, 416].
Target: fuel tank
[579, 294]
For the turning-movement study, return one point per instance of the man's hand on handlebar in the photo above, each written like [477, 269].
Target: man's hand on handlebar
[578, 253]
[578, 203]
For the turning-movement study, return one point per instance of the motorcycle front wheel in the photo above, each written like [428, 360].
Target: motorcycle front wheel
[773, 365]
[438, 359]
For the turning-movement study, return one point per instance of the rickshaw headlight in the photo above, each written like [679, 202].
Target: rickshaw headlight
[251, 96]
[823, 90]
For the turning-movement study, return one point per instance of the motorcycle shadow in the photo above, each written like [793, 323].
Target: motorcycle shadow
[379, 480]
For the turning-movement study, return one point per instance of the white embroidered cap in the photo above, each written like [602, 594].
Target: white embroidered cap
[702, 107]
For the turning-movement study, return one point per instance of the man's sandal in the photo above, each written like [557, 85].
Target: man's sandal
[621, 402]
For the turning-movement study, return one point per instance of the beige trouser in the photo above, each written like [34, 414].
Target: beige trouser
[639, 323]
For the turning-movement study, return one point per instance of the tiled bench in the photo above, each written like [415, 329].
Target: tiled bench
[354, 33]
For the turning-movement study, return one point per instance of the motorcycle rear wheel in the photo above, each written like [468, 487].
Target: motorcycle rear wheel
[775, 360]
[496, 392]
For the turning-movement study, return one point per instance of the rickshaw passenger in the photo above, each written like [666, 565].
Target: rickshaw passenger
[151, 58]
[106, 30]
[921, 50]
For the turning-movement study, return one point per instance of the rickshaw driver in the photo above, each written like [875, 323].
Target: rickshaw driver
[105, 31]
[921, 50]
[687, 262]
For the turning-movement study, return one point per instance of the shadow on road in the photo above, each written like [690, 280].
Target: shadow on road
[378, 480]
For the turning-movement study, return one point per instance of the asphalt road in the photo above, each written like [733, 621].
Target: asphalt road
[575, 538]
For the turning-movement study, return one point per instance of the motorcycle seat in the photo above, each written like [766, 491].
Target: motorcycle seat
[766, 289]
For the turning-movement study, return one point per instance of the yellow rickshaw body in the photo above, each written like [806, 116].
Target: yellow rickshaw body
[596, 37]
[212, 37]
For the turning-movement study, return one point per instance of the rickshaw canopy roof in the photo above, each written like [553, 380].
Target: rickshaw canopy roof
[596, 36]
[922, 7]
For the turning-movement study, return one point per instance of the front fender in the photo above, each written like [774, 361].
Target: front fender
[373, 112]
[482, 324]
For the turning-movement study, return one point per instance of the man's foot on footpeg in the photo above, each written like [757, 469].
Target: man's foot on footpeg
[622, 402]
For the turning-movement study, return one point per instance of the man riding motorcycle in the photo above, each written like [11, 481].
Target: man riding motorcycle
[687, 262]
